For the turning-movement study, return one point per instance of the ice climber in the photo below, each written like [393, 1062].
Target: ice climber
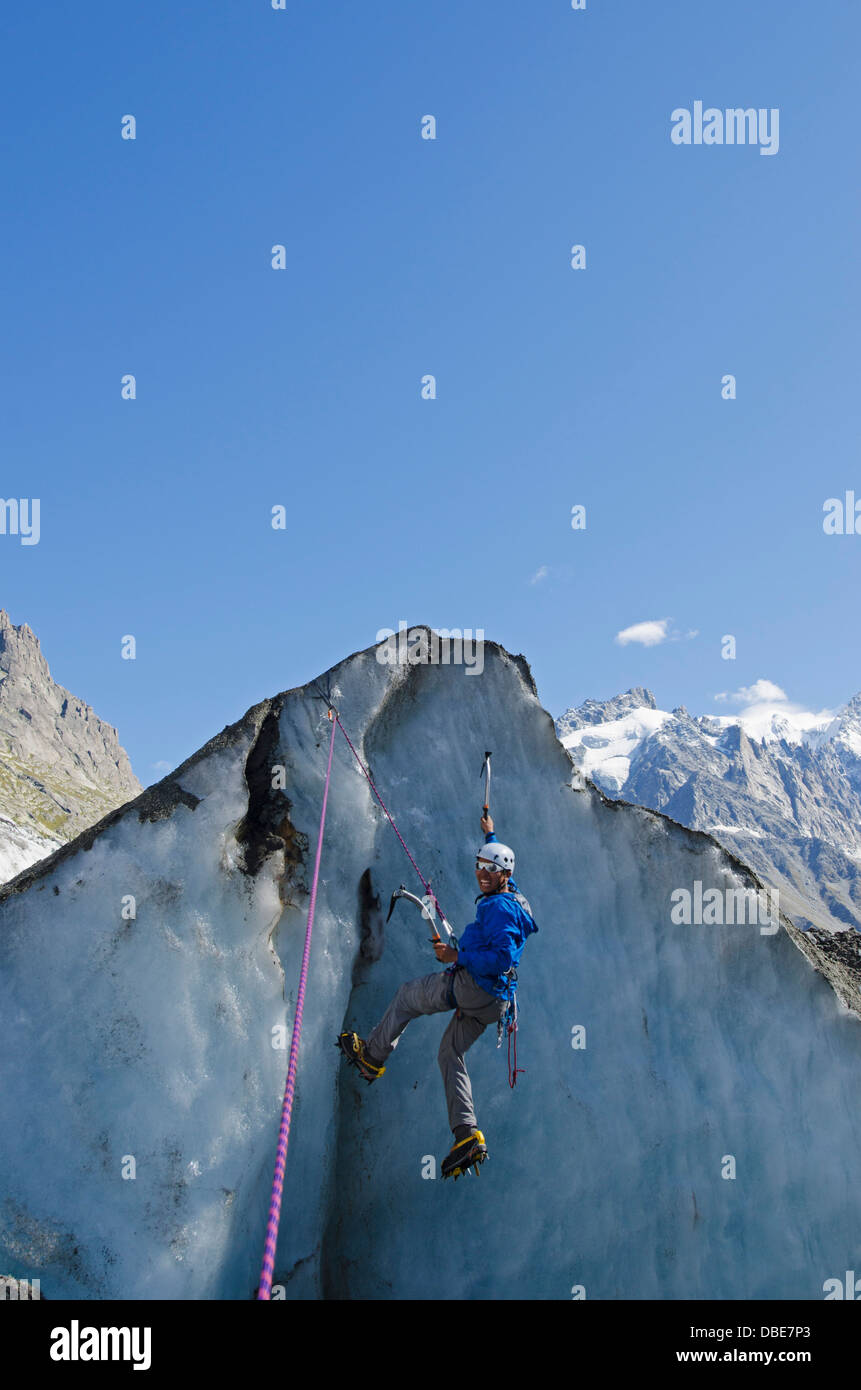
[479, 986]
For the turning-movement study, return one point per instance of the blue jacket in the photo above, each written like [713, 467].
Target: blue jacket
[493, 944]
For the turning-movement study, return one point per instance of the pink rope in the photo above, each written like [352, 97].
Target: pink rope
[264, 1291]
[428, 888]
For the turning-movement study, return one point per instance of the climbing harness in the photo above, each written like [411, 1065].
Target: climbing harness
[450, 998]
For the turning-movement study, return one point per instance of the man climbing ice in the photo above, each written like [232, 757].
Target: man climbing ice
[479, 985]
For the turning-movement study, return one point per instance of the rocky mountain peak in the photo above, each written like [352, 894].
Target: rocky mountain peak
[604, 711]
[20, 650]
[789, 804]
[61, 766]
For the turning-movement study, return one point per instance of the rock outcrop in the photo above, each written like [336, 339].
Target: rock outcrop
[61, 767]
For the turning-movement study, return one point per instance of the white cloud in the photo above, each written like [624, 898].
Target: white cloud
[761, 692]
[653, 632]
[649, 634]
[539, 574]
[768, 713]
[162, 767]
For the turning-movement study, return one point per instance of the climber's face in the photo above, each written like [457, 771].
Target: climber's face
[490, 879]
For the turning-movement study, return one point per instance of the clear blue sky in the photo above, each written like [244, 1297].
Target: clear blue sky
[405, 257]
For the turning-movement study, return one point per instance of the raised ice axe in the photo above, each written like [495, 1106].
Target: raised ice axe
[485, 770]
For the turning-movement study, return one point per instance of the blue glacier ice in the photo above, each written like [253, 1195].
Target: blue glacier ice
[687, 1125]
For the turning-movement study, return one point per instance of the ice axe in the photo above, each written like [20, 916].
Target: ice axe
[485, 770]
[427, 906]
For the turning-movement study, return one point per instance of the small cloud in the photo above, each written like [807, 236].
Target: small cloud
[163, 767]
[648, 634]
[761, 692]
[539, 574]
[652, 633]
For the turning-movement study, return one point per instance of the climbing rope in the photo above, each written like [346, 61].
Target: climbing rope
[264, 1291]
[427, 886]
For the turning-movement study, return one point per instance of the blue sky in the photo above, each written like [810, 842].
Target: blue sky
[301, 387]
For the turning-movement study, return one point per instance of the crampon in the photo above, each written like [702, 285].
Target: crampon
[465, 1156]
[353, 1049]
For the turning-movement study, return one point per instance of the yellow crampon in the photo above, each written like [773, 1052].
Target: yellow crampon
[353, 1049]
[469, 1162]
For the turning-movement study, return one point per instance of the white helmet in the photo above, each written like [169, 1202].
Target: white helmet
[497, 856]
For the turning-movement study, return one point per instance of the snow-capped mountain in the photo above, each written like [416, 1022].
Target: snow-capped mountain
[778, 786]
[656, 1046]
[61, 767]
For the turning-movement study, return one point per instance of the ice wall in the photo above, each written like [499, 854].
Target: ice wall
[151, 1038]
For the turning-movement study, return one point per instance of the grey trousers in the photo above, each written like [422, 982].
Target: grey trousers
[430, 995]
